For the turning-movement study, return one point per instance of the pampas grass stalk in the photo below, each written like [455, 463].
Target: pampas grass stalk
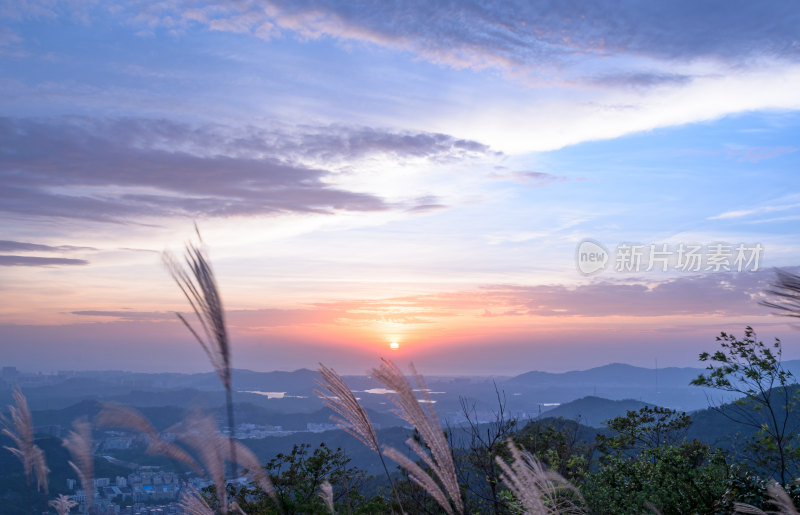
[424, 419]
[777, 497]
[117, 415]
[786, 293]
[20, 430]
[199, 286]
[246, 459]
[326, 494]
[201, 433]
[63, 504]
[79, 445]
[539, 491]
[192, 503]
[353, 417]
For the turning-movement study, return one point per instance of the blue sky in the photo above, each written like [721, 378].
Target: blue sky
[366, 173]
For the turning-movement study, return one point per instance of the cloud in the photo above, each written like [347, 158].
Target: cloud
[717, 294]
[699, 297]
[21, 246]
[128, 169]
[535, 36]
[757, 154]
[528, 177]
[9, 260]
[742, 213]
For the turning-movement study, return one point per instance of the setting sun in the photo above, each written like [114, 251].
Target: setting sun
[394, 345]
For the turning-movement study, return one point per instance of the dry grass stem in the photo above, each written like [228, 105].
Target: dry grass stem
[192, 503]
[352, 417]
[116, 415]
[540, 491]
[340, 399]
[326, 494]
[199, 286]
[200, 432]
[420, 477]
[424, 419]
[79, 445]
[777, 497]
[248, 460]
[20, 430]
[786, 294]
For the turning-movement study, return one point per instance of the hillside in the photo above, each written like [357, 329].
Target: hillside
[594, 411]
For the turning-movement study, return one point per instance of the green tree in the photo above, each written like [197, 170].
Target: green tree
[649, 428]
[560, 445]
[297, 477]
[647, 463]
[753, 370]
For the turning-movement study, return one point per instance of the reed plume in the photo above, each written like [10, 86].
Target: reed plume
[192, 503]
[777, 497]
[326, 494]
[200, 432]
[246, 459]
[20, 430]
[541, 492]
[786, 293]
[63, 504]
[117, 415]
[79, 445]
[352, 417]
[440, 459]
[199, 286]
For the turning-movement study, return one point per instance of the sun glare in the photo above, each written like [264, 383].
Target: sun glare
[394, 345]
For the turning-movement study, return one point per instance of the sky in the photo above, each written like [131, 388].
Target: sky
[420, 174]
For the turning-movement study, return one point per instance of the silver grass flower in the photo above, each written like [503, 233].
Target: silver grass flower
[246, 459]
[341, 400]
[352, 417]
[200, 432]
[192, 503]
[63, 504]
[420, 477]
[79, 445]
[777, 497]
[20, 430]
[541, 492]
[326, 494]
[426, 422]
[117, 415]
[199, 286]
[786, 294]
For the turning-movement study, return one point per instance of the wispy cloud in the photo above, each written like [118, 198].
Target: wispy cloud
[22, 246]
[758, 154]
[741, 213]
[713, 294]
[136, 168]
[10, 260]
[518, 34]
